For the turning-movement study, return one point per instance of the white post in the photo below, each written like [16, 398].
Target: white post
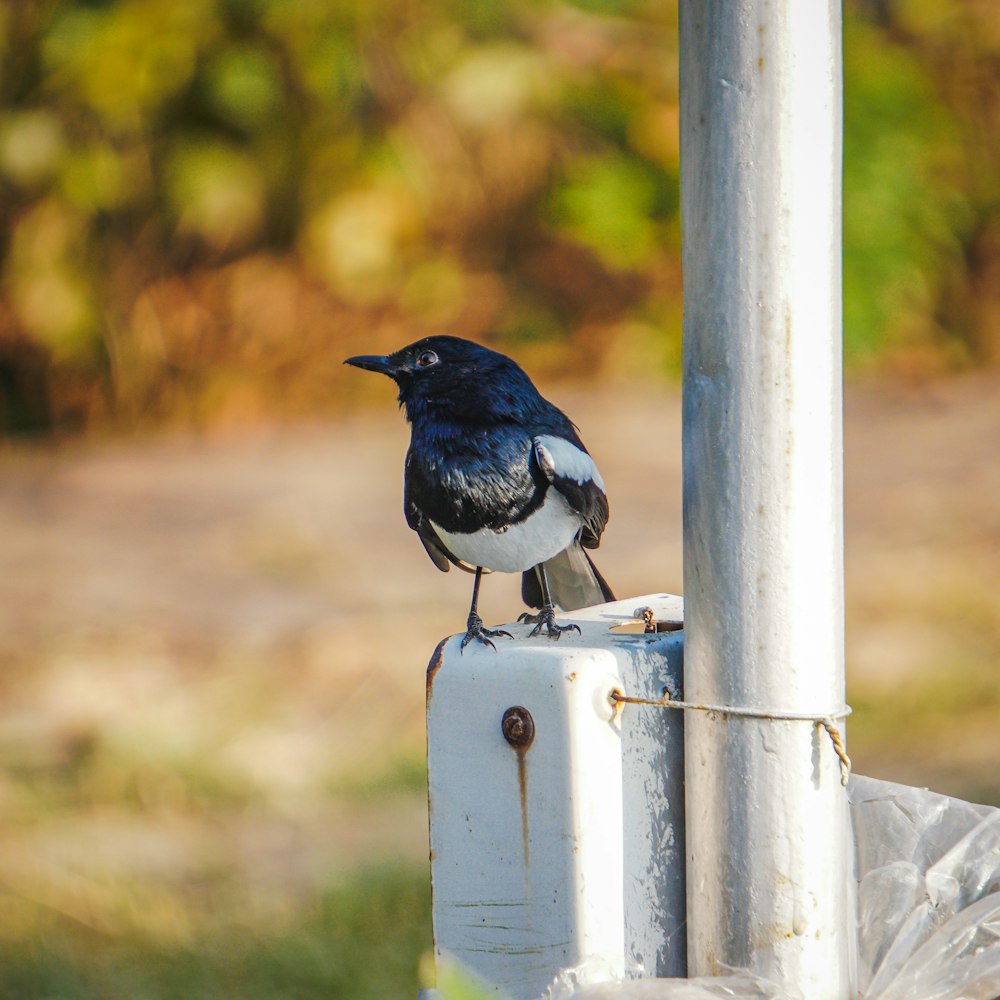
[769, 859]
[556, 811]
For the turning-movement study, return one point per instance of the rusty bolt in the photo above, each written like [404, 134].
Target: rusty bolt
[518, 727]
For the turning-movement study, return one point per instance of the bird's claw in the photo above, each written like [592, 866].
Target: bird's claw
[476, 630]
[546, 618]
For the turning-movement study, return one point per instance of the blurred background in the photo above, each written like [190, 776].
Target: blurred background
[213, 620]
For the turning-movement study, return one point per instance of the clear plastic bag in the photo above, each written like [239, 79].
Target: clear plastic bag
[928, 894]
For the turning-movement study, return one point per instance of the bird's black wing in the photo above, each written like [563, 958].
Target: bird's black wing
[571, 471]
[432, 542]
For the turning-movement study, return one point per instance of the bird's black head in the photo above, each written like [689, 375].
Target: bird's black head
[447, 372]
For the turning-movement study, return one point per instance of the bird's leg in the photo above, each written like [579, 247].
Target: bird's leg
[547, 616]
[474, 627]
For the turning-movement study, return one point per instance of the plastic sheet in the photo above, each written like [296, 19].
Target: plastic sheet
[928, 894]
[928, 907]
[735, 987]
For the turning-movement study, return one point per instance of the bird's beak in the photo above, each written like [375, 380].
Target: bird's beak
[373, 363]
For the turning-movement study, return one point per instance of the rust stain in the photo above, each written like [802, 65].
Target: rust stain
[664, 626]
[518, 730]
[522, 782]
[434, 666]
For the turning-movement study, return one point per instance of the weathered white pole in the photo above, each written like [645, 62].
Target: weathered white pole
[556, 810]
[769, 859]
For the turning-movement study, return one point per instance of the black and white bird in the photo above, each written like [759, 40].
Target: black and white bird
[497, 478]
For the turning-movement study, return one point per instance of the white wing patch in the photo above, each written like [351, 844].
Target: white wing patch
[558, 457]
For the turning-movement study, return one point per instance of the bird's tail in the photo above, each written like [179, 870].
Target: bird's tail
[574, 581]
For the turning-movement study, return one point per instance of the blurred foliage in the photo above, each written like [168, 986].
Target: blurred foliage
[361, 940]
[452, 981]
[205, 205]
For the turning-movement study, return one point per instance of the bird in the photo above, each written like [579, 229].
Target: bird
[496, 478]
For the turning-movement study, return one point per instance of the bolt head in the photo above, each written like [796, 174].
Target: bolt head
[518, 727]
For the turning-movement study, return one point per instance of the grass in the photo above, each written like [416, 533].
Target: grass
[361, 940]
[941, 727]
[382, 779]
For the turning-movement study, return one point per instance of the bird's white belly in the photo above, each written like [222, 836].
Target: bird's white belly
[539, 537]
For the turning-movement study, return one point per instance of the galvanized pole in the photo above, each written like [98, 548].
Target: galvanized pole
[769, 858]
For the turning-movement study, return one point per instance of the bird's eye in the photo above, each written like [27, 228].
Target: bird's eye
[426, 358]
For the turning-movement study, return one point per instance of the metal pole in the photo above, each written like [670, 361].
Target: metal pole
[769, 861]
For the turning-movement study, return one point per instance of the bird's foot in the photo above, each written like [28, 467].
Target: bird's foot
[546, 618]
[476, 630]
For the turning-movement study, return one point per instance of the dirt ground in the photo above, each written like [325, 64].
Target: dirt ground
[213, 649]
